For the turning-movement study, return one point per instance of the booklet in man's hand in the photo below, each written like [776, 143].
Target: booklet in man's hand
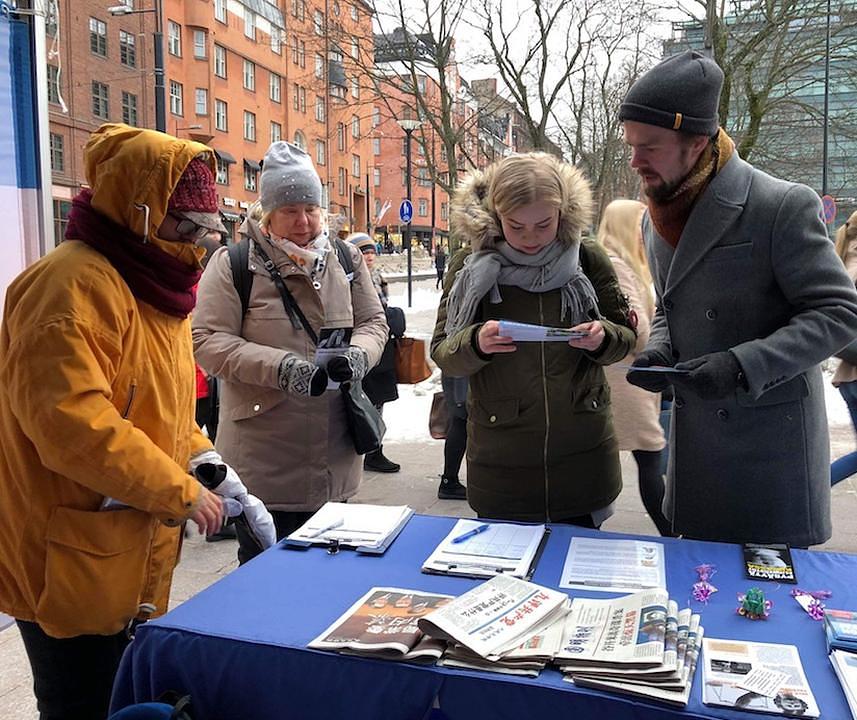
[768, 562]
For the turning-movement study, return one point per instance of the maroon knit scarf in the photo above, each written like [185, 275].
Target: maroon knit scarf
[154, 276]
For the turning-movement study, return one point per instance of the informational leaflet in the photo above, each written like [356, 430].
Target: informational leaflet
[331, 342]
[367, 528]
[613, 565]
[524, 332]
[497, 616]
[727, 664]
[473, 548]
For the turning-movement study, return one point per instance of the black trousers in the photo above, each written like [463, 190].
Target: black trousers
[72, 677]
[285, 523]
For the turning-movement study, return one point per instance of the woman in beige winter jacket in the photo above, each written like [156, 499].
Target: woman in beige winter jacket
[845, 377]
[635, 411]
[282, 431]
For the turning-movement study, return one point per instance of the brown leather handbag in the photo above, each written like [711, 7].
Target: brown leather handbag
[411, 365]
[438, 417]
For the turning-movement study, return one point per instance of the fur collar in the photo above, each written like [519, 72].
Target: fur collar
[474, 223]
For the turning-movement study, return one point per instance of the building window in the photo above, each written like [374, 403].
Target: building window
[129, 108]
[355, 87]
[337, 91]
[343, 181]
[376, 177]
[335, 54]
[404, 177]
[176, 98]
[98, 37]
[222, 177]
[355, 127]
[249, 75]
[355, 166]
[299, 99]
[220, 61]
[276, 40]
[249, 126]
[100, 100]
[299, 9]
[57, 153]
[444, 211]
[320, 152]
[53, 84]
[300, 140]
[199, 44]
[298, 51]
[422, 207]
[249, 23]
[405, 145]
[220, 115]
[340, 136]
[376, 117]
[376, 146]
[355, 49]
[62, 208]
[355, 13]
[319, 66]
[421, 84]
[424, 177]
[276, 132]
[127, 49]
[174, 38]
[318, 23]
[319, 108]
[220, 10]
[275, 86]
[249, 178]
[201, 98]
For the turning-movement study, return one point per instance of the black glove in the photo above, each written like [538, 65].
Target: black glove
[653, 382]
[711, 376]
[351, 365]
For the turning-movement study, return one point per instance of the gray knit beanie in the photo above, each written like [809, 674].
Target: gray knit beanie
[680, 93]
[288, 176]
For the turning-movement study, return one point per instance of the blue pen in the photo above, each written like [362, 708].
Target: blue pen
[470, 533]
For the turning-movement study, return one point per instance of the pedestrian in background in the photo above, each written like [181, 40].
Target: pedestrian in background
[439, 264]
[540, 439]
[635, 411]
[97, 431]
[286, 436]
[750, 299]
[845, 377]
[380, 383]
[455, 443]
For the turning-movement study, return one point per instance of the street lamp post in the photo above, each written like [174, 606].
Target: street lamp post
[824, 150]
[158, 39]
[408, 126]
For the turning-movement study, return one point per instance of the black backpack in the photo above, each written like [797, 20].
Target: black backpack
[242, 278]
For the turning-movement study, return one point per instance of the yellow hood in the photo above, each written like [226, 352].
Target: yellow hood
[128, 168]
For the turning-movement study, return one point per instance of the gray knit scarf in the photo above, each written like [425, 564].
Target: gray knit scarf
[554, 267]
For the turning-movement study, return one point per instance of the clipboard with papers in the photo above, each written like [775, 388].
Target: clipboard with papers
[477, 549]
[361, 527]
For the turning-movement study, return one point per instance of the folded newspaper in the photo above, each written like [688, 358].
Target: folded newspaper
[845, 666]
[496, 617]
[627, 631]
[764, 677]
[383, 624]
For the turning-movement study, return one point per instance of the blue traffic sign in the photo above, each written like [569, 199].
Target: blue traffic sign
[406, 211]
[828, 205]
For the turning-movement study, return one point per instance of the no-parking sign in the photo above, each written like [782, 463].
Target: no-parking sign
[828, 205]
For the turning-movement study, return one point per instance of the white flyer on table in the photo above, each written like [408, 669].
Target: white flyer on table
[524, 332]
[613, 565]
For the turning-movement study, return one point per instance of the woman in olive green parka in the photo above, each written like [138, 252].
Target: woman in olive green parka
[540, 441]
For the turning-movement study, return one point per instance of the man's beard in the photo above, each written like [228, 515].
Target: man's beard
[664, 192]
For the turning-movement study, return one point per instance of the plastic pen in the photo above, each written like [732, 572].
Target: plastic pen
[326, 528]
[470, 533]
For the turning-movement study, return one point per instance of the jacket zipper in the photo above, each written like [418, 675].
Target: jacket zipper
[130, 402]
[547, 414]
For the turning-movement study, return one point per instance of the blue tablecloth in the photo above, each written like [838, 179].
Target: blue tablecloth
[239, 647]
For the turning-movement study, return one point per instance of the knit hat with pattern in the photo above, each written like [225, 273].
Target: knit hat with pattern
[195, 197]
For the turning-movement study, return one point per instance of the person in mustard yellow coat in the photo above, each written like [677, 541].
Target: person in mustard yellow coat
[97, 431]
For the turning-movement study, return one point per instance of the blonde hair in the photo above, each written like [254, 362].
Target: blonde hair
[619, 233]
[520, 180]
[845, 235]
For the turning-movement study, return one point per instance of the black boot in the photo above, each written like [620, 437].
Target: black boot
[376, 462]
[451, 489]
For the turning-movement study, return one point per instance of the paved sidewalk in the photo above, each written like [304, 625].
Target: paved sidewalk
[416, 485]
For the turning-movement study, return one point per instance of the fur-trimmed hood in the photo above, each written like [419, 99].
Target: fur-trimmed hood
[475, 222]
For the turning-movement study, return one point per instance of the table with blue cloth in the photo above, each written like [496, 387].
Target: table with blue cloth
[239, 647]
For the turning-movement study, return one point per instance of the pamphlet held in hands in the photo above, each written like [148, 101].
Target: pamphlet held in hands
[525, 332]
[331, 342]
[365, 528]
[477, 549]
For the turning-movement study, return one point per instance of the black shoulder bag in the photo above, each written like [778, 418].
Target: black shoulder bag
[365, 424]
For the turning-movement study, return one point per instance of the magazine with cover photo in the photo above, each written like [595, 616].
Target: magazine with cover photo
[769, 562]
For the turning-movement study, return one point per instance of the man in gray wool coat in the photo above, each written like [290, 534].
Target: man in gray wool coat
[751, 297]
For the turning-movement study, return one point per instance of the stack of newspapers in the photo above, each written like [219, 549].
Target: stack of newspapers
[503, 625]
[639, 644]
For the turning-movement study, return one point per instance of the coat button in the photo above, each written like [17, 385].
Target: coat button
[257, 407]
[723, 414]
[711, 314]
[668, 304]
[493, 418]
[594, 404]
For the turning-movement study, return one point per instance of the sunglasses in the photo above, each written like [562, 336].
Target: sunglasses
[189, 228]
